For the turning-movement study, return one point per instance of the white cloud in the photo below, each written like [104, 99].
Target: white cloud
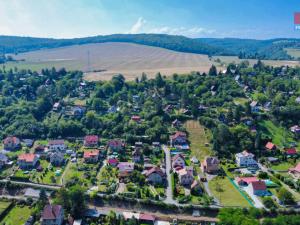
[138, 25]
[190, 32]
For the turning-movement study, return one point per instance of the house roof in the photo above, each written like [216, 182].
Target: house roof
[247, 180]
[295, 169]
[51, 212]
[259, 185]
[90, 153]
[178, 134]
[177, 156]
[12, 139]
[270, 146]
[128, 166]
[154, 170]
[291, 151]
[245, 153]
[113, 161]
[253, 103]
[115, 143]
[147, 217]
[91, 138]
[27, 157]
[211, 161]
[57, 142]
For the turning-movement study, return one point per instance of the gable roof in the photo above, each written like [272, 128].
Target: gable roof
[259, 185]
[91, 138]
[211, 161]
[57, 142]
[154, 170]
[112, 161]
[27, 157]
[247, 180]
[147, 217]
[291, 151]
[51, 212]
[270, 146]
[90, 153]
[177, 156]
[178, 134]
[12, 139]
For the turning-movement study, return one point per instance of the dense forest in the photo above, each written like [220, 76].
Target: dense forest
[244, 48]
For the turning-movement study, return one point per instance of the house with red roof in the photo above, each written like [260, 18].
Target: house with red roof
[91, 141]
[290, 151]
[185, 177]
[147, 218]
[113, 162]
[11, 143]
[136, 118]
[116, 145]
[245, 181]
[27, 160]
[270, 146]
[52, 215]
[155, 176]
[295, 171]
[91, 156]
[259, 188]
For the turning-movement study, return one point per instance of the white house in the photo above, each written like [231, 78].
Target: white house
[57, 145]
[245, 159]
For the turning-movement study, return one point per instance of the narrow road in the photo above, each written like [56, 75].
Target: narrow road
[158, 215]
[169, 192]
[207, 189]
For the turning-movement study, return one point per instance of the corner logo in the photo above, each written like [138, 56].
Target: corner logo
[297, 20]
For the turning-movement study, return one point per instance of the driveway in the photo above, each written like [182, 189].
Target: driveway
[169, 192]
[121, 188]
[256, 201]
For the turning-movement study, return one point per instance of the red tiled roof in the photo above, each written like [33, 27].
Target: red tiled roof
[90, 153]
[57, 142]
[113, 161]
[270, 146]
[115, 143]
[291, 151]
[27, 157]
[135, 117]
[178, 134]
[12, 139]
[259, 185]
[147, 217]
[247, 180]
[51, 212]
[91, 138]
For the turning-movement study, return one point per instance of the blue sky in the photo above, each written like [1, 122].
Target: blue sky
[261, 19]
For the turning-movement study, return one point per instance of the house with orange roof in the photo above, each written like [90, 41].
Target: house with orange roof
[11, 143]
[270, 146]
[27, 160]
[91, 156]
[245, 181]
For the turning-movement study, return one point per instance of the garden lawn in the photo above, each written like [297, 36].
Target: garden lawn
[280, 136]
[17, 216]
[199, 137]
[229, 196]
[240, 101]
[3, 205]
[284, 166]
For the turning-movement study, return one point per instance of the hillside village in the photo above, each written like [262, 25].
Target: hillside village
[189, 144]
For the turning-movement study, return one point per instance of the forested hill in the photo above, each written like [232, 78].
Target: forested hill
[244, 48]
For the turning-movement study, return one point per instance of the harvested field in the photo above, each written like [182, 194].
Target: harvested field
[131, 60]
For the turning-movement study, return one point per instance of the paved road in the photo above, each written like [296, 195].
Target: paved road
[256, 201]
[169, 192]
[45, 186]
[158, 215]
